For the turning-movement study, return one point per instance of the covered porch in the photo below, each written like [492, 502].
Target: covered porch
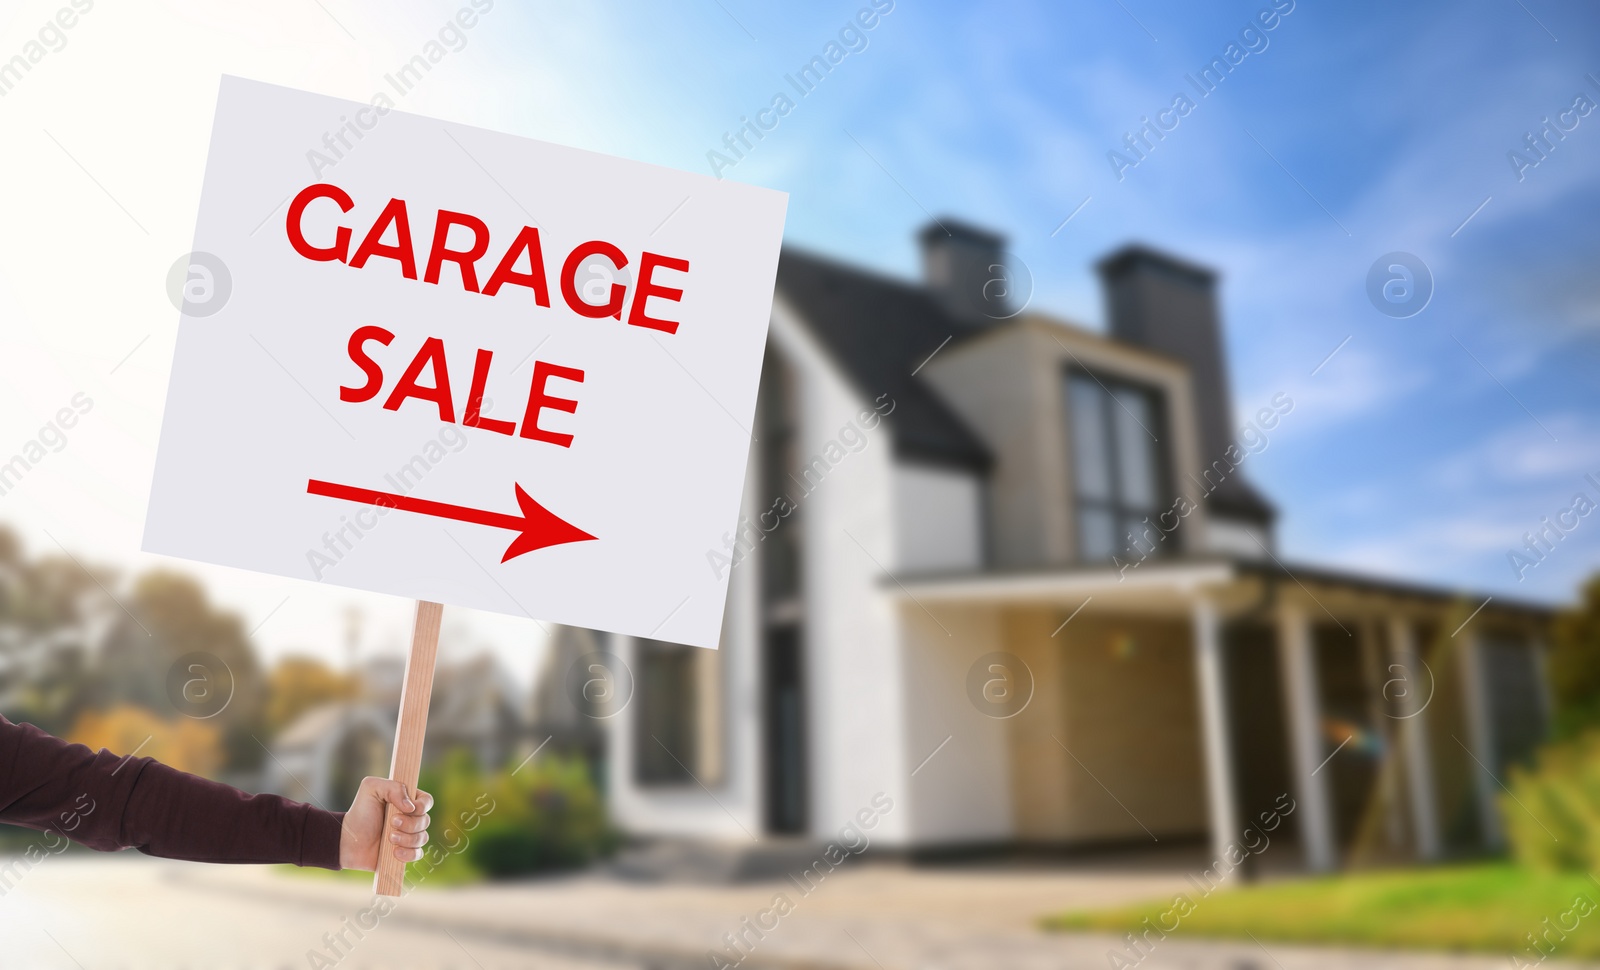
[1295, 717]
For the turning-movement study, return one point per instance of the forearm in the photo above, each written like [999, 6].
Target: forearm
[107, 803]
[181, 816]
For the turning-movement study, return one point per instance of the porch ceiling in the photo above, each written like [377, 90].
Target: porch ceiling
[1153, 586]
[1171, 586]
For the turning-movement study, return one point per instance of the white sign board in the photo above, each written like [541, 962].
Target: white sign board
[456, 365]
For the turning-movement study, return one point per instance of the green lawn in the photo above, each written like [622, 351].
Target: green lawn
[1487, 908]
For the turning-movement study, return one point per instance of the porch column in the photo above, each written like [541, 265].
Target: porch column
[1388, 783]
[618, 726]
[1418, 756]
[1541, 671]
[1215, 737]
[1303, 710]
[1480, 735]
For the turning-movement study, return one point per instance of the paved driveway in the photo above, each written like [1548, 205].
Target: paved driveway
[97, 913]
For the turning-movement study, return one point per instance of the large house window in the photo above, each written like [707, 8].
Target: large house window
[1116, 466]
[666, 743]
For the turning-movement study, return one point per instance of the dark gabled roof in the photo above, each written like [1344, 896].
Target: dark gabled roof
[878, 330]
[1235, 497]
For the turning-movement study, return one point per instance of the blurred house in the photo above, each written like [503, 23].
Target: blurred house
[475, 708]
[557, 722]
[1011, 573]
[322, 755]
[382, 677]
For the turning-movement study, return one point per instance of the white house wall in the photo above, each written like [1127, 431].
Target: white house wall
[854, 717]
[938, 518]
[855, 706]
[960, 774]
[734, 814]
[1232, 537]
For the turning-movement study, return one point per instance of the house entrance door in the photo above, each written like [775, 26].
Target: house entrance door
[783, 714]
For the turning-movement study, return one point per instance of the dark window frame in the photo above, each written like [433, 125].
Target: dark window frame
[1122, 513]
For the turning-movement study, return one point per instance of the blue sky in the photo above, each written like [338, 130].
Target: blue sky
[1360, 129]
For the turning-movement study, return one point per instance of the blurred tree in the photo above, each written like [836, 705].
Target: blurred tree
[297, 684]
[168, 616]
[70, 646]
[184, 743]
[1575, 664]
[47, 612]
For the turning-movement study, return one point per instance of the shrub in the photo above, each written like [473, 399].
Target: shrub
[1552, 814]
[546, 816]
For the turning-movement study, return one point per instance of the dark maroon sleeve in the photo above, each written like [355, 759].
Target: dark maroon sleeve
[108, 802]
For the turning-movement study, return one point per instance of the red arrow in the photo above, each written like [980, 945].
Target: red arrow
[536, 527]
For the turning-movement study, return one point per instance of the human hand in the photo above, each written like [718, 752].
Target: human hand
[363, 833]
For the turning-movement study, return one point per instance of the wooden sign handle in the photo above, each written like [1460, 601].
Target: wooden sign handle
[415, 690]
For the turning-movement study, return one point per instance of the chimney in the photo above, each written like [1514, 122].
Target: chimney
[1167, 305]
[965, 270]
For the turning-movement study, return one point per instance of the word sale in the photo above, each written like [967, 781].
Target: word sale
[431, 356]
